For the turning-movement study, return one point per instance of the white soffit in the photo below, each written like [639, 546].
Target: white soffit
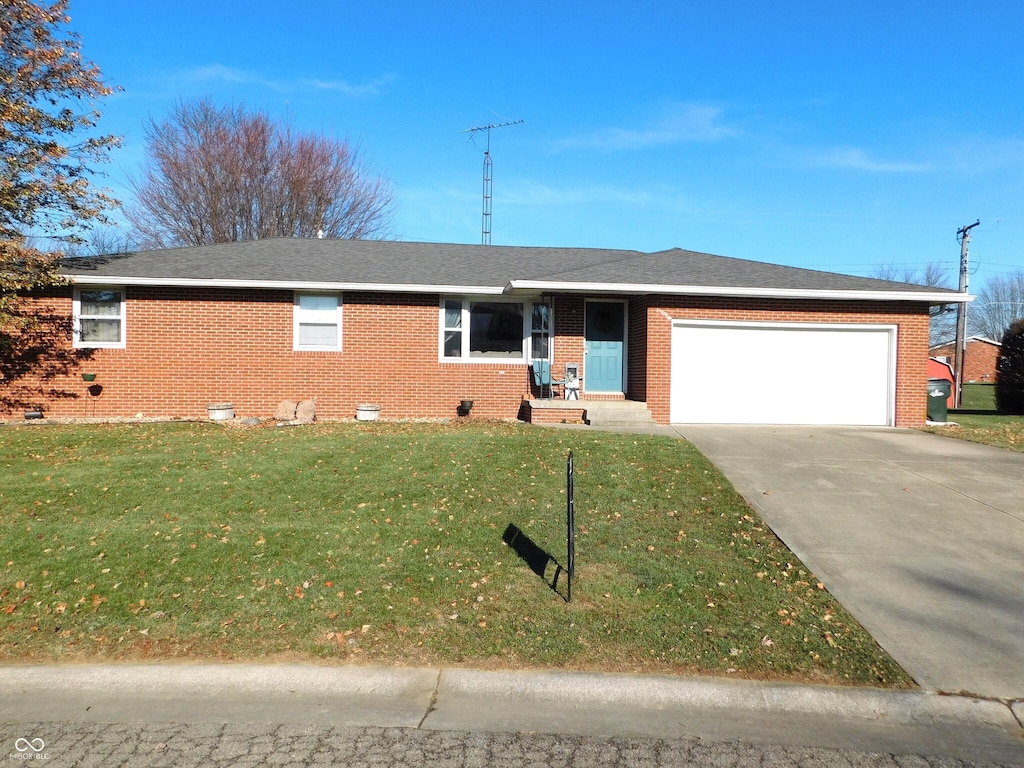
[931, 297]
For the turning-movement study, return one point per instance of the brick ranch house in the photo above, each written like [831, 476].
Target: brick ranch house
[418, 327]
[981, 356]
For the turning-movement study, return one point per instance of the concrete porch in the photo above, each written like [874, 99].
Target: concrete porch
[596, 413]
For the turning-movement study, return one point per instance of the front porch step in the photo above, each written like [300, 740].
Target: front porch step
[617, 413]
[598, 413]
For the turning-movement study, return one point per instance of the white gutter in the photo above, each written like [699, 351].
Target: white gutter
[931, 297]
[289, 285]
[533, 286]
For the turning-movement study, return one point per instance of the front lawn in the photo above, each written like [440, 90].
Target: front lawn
[385, 543]
[991, 429]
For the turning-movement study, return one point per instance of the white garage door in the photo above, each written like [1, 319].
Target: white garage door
[774, 373]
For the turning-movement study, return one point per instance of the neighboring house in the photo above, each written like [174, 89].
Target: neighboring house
[980, 356]
[417, 327]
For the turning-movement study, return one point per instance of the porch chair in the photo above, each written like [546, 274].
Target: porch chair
[542, 379]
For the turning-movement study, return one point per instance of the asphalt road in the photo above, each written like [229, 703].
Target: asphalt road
[207, 745]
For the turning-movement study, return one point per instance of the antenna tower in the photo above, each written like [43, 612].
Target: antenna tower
[485, 228]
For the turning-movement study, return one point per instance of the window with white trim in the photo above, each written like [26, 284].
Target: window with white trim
[540, 331]
[99, 315]
[317, 321]
[483, 329]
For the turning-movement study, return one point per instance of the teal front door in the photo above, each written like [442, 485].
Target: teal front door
[604, 336]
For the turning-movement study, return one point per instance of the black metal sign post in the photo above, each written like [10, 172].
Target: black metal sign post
[570, 523]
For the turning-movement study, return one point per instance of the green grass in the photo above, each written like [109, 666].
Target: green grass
[383, 543]
[978, 397]
[992, 429]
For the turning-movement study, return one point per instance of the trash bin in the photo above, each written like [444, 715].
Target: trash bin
[939, 391]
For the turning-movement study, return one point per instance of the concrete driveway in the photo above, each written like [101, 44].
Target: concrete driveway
[920, 536]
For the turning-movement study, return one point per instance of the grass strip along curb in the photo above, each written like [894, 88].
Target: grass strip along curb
[385, 543]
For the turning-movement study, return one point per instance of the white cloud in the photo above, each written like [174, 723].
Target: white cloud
[366, 89]
[683, 123]
[857, 159]
[537, 194]
[225, 74]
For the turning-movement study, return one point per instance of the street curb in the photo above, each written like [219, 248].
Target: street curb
[661, 692]
[213, 679]
[582, 704]
[578, 688]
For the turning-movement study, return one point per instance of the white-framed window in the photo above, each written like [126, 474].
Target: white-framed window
[540, 331]
[317, 321]
[483, 330]
[99, 318]
[494, 330]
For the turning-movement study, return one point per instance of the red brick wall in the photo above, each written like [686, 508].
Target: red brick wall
[912, 339]
[568, 339]
[979, 359]
[187, 348]
[636, 352]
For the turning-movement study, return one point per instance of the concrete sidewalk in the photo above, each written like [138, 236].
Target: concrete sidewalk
[564, 703]
[920, 536]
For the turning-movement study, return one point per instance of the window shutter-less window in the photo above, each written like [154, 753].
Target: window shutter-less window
[318, 322]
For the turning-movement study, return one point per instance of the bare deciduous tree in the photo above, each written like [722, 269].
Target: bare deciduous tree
[999, 304]
[222, 174]
[942, 327]
[102, 241]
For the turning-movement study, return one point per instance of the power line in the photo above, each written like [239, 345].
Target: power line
[964, 236]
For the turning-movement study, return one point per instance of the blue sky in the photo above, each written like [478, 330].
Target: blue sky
[837, 136]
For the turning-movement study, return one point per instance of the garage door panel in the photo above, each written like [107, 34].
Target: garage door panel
[772, 374]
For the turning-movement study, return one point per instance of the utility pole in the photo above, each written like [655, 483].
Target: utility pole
[964, 236]
[485, 229]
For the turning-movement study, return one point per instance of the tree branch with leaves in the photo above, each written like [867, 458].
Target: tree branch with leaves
[47, 109]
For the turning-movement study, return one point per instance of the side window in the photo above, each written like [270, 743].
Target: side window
[452, 329]
[540, 332]
[99, 315]
[317, 322]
